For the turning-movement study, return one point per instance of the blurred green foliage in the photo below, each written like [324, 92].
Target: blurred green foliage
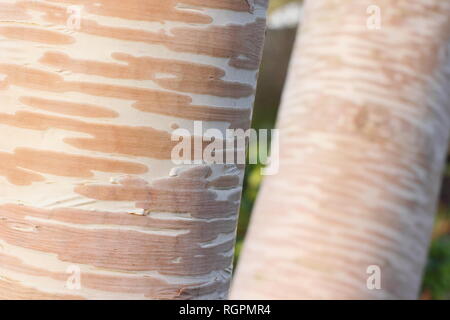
[274, 4]
[436, 283]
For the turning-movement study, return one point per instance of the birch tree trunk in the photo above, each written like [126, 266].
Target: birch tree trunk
[91, 205]
[364, 130]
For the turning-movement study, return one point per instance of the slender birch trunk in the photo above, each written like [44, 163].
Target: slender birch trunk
[364, 133]
[91, 205]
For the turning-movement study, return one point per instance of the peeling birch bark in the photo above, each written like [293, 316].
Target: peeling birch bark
[86, 177]
[364, 133]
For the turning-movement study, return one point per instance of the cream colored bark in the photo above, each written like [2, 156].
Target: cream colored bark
[364, 133]
[91, 205]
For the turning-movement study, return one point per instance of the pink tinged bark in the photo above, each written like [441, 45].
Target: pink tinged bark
[364, 133]
[91, 204]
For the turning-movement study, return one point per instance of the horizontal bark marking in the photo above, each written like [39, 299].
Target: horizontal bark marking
[14, 174]
[201, 171]
[169, 74]
[60, 164]
[117, 249]
[234, 5]
[147, 100]
[36, 35]
[181, 184]
[107, 138]
[237, 117]
[21, 167]
[198, 205]
[14, 290]
[242, 44]
[209, 229]
[144, 10]
[156, 10]
[146, 285]
[9, 11]
[225, 182]
[32, 78]
[69, 108]
[172, 194]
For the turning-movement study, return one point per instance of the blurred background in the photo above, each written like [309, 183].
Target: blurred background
[284, 16]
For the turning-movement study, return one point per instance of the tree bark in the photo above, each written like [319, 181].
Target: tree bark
[364, 131]
[91, 204]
